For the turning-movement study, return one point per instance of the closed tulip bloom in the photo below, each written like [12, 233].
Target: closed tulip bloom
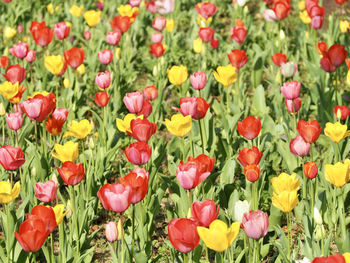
[337, 174]
[289, 69]
[71, 173]
[113, 38]
[170, 25]
[157, 50]
[252, 172]
[142, 130]
[124, 125]
[157, 37]
[103, 79]
[279, 59]
[255, 224]
[198, 46]
[92, 17]
[249, 128]
[240, 208]
[54, 64]
[46, 192]
[179, 125]
[196, 107]
[205, 212]
[177, 75]
[4, 62]
[206, 9]
[87, 35]
[7, 193]
[138, 153]
[309, 130]
[79, 130]
[134, 101]
[31, 55]
[101, 99]
[206, 34]
[55, 123]
[15, 73]
[218, 236]
[340, 2]
[269, 15]
[342, 112]
[115, 197]
[238, 58]
[46, 214]
[281, 9]
[8, 90]
[32, 108]
[248, 156]
[138, 185]
[67, 152]
[285, 201]
[336, 258]
[336, 131]
[134, 3]
[310, 170]
[293, 106]
[42, 34]
[159, 23]
[150, 92]
[76, 10]
[14, 120]
[285, 182]
[238, 34]
[121, 23]
[141, 172]
[146, 109]
[59, 213]
[9, 32]
[111, 232]
[337, 54]
[214, 43]
[20, 50]
[105, 56]
[198, 80]
[11, 158]
[74, 57]
[61, 30]
[291, 90]
[183, 234]
[226, 75]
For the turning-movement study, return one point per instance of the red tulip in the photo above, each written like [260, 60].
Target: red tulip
[249, 128]
[156, 50]
[183, 234]
[206, 34]
[138, 153]
[55, 123]
[342, 111]
[11, 158]
[299, 147]
[15, 73]
[248, 156]
[61, 30]
[146, 109]
[71, 173]
[101, 99]
[214, 43]
[141, 172]
[309, 130]
[317, 14]
[252, 172]
[39, 107]
[74, 57]
[336, 258]
[281, 9]
[46, 214]
[46, 192]
[206, 9]
[340, 2]
[42, 35]
[238, 33]
[337, 54]
[278, 59]
[293, 106]
[310, 170]
[138, 185]
[197, 107]
[150, 92]
[115, 197]
[121, 23]
[255, 224]
[322, 47]
[4, 62]
[142, 130]
[238, 58]
[205, 212]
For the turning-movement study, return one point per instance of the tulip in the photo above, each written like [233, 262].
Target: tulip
[183, 234]
[157, 38]
[8, 90]
[105, 56]
[289, 69]
[138, 185]
[285, 201]
[124, 125]
[317, 216]
[226, 75]
[87, 35]
[165, 7]
[14, 120]
[337, 174]
[304, 17]
[157, 50]
[177, 75]
[101, 99]
[55, 123]
[42, 35]
[2, 109]
[322, 47]
[179, 125]
[54, 64]
[113, 38]
[15, 73]
[309, 130]
[285, 182]
[269, 15]
[92, 17]
[142, 130]
[249, 128]
[32, 108]
[252, 172]
[170, 25]
[240, 208]
[41, 105]
[71, 173]
[340, 2]
[7, 193]
[239, 33]
[46, 192]
[11, 158]
[128, 11]
[218, 236]
[279, 59]
[134, 3]
[255, 224]
[310, 170]
[59, 213]
[337, 54]
[4, 62]
[159, 23]
[79, 130]
[61, 30]
[342, 112]
[121, 23]
[205, 212]
[76, 10]
[115, 197]
[248, 156]
[238, 58]
[20, 50]
[336, 131]
[291, 90]
[299, 147]
[134, 101]
[336, 258]
[111, 231]
[206, 34]
[293, 106]
[146, 109]
[67, 152]
[74, 57]
[198, 80]
[214, 43]
[197, 46]
[193, 106]
[281, 9]
[46, 214]
[150, 92]
[103, 79]
[206, 9]
[141, 172]
[347, 257]
[9, 32]
[31, 55]
[138, 153]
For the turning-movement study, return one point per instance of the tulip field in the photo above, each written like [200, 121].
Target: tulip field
[175, 131]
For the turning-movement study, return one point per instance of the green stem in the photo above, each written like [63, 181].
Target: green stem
[343, 215]
[245, 246]
[289, 222]
[75, 218]
[335, 211]
[190, 197]
[52, 249]
[201, 132]
[105, 126]
[7, 211]
[183, 149]
[312, 197]
[36, 135]
[3, 131]
[191, 144]
[132, 232]
[45, 142]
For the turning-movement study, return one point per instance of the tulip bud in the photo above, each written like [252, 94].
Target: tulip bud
[111, 231]
[2, 109]
[310, 170]
[339, 114]
[117, 53]
[155, 71]
[120, 229]
[69, 208]
[66, 83]
[33, 171]
[91, 143]
[87, 35]
[81, 69]
[289, 69]
[317, 216]
[241, 207]
[320, 233]
[282, 34]
[197, 46]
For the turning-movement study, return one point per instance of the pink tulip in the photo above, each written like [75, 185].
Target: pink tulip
[157, 37]
[299, 147]
[138, 153]
[103, 79]
[87, 35]
[159, 23]
[105, 56]
[46, 192]
[255, 224]
[61, 30]
[14, 120]
[113, 38]
[30, 56]
[141, 172]
[111, 231]
[291, 90]
[11, 158]
[60, 113]
[20, 28]
[198, 80]
[134, 101]
[20, 50]
[165, 7]
[99, 5]
[32, 108]
[134, 3]
[293, 106]
[269, 15]
[115, 197]
[205, 212]
[316, 22]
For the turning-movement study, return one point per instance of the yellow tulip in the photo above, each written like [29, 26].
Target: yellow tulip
[285, 182]
[92, 17]
[117, 53]
[124, 125]
[285, 201]
[197, 46]
[177, 75]
[59, 213]
[347, 257]
[9, 32]
[81, 69]
[304, 17]
[202, 22]
[301, 5]
[49, 8]
[67, 152]
[344, 26]
[54, 64]
[226, 75]
[179, 125]
[218, 236]
[76, 10]
[66, 83]
[337, 174]
[348, 78]
[79, 130]
[336, 131]
[2, 109]
[127, 10]
[7, 194]
[170, 24]
[8, 90]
